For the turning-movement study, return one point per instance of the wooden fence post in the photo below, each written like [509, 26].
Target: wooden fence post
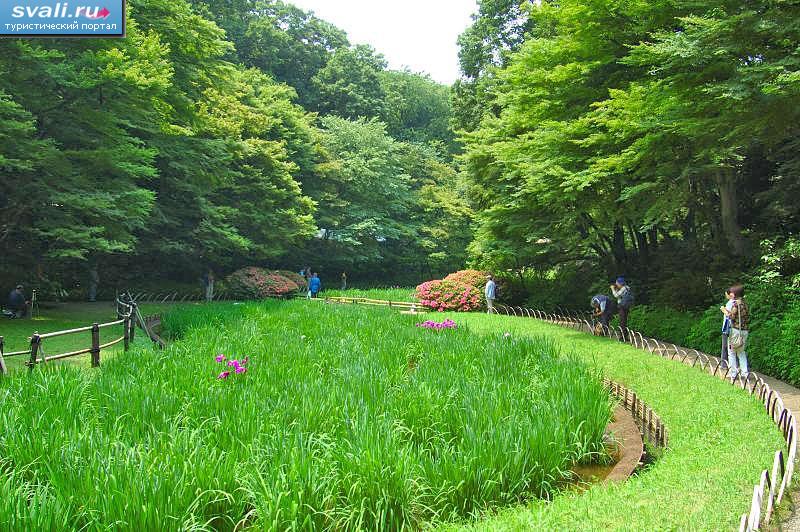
[95, 345]
[3, 369]
[36, 341]
[126, 325]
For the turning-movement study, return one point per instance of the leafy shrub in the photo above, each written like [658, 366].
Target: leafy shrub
[567, 286]
[474, 278]
[665, 323]
[444, 295]
[257, 283]
[774, 342]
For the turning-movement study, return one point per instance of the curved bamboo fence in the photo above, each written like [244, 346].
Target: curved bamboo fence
[772, 483]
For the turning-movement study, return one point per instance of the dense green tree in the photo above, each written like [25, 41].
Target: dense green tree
[89, 101]
[289, 44]
[631, 133]
[185, 146]
[349, 85]
[417, 109]
[385, 207]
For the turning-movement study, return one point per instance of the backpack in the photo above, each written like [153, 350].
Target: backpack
[626, 300]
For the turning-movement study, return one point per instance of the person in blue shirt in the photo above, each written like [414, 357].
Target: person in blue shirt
[604, 309]
[314, 285]
[490, 292]
[17, 303]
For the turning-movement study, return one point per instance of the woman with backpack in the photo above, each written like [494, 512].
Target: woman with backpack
[739, 318]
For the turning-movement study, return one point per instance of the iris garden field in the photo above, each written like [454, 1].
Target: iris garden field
[353, 418]
[346, 418]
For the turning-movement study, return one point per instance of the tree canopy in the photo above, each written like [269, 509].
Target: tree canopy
[220, 134]
[633, 134]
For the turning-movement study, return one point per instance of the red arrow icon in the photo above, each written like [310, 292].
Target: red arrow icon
[103, 13]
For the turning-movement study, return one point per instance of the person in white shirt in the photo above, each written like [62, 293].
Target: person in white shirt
[726, 328]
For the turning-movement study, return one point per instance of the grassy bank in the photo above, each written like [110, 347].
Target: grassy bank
[720, 440]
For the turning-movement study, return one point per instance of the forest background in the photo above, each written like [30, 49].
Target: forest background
[584, 140]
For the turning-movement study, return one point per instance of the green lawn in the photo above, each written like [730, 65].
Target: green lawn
[62, 316]
[388, 294]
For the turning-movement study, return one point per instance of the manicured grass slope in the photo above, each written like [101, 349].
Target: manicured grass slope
[62, 316]
[347, 418]
[720, 440]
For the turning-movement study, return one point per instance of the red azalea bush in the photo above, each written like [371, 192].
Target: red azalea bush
[446, 294]
[474, 278]
[258, 283]
[295, 277]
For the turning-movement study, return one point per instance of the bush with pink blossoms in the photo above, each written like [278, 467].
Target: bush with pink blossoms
[258, 283]
[474, 278]
[444, 295]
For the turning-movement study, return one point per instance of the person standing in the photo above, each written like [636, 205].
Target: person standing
[490, 291]
[726, 328]
[739, 317]
[94, 280]
[604, 308]
[208, 284]
[344, 280]
[314, 285]
[624, 296]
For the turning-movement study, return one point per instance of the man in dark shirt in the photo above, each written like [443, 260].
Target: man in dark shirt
[17, 302]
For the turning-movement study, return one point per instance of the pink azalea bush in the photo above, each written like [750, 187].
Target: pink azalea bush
[430, 324]
[445, 295]
[258, 283]
[474, 278]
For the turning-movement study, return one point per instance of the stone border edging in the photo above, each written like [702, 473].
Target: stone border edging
[769, 491]
[628, 438]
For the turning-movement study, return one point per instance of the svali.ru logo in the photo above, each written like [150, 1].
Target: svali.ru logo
[59, 11]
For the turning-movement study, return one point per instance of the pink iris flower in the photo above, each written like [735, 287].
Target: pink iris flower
[223, 375]
[240, 370]
[220, 358]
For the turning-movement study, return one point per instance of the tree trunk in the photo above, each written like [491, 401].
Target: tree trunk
[729, 209]
[618, 248]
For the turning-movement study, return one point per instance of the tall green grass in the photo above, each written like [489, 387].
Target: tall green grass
[347, 418]
[388, 294]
